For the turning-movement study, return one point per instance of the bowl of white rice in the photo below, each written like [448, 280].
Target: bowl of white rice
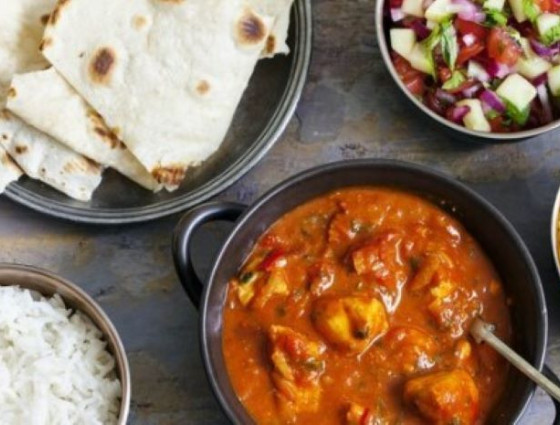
[61, 359]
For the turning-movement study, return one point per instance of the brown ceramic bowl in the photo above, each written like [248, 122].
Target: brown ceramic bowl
[48, 285]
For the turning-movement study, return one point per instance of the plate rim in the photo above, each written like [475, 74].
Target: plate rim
[236, 170]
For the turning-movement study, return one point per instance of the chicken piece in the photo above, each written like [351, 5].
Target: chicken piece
[275, 285]
[381, 258]
[429, 266]
[342, 229]
[297, 365]
[359, 415]
[411, 349]
[444, 398]
[351, 324]
[452, 306]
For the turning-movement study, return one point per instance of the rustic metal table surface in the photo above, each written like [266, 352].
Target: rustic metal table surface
[350, 109]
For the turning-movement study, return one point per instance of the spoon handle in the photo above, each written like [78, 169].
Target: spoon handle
[483, 331]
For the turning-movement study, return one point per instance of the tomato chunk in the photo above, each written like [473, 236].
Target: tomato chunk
[467, 27]
[469, 52]
[502, 47]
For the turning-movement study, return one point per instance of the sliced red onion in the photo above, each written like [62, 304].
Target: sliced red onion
[459, 112]
[496, 69]
[541, 79]
[491, 99]
[542, 92]
[469, 92]
[445, 96]
[475, 70]
[468, 11]
[544, 51]
[421, 30]
[469, 39]
[397, 15]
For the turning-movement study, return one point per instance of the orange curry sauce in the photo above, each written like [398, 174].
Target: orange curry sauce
[354, 308]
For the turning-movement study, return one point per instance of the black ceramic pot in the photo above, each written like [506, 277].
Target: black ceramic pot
[495, 234]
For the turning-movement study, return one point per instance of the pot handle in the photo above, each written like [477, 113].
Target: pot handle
[547, 371]
[182, 237]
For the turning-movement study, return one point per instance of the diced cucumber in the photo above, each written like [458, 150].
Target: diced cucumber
[533, 67]
[413, 7]
[475, 119]
[475, 70]
[402, 40]
[439, 10]
[546, 22]
[517, 90]
[494, 4]
[517, 9]
[554, 80]
[420, 59]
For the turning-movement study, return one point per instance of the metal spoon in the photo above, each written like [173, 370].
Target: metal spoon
[482, 331]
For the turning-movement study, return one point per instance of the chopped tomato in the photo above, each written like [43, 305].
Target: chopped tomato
[502, 47]
[412, 78]
[395, 4]
[468, 27]
[444, 73]
[497, 124]
[272, 260]
[548, 6]
[468, 52]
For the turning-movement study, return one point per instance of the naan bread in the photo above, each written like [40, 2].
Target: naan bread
[47, 160]
[276, 41]
[9, 171]
[47, 102]
[168, 74]
[22, 23]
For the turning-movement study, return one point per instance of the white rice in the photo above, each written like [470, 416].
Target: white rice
[54, 368]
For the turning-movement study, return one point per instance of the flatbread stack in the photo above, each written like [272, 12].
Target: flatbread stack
[146, 87]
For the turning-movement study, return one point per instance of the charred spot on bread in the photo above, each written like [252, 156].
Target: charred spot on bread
[250, 29]
[55, 15]
[20, 149]
[45, 19]
[270, 44]
[102, 65]
[171, 175]
[45, 42]
[12, 92]
[203, 87]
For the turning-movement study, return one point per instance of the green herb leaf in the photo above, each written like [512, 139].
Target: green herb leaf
[531, 10]
[492, 114]
[495, 17]
[433, 39]
[457, 78]
[517, 116]
[429, 44]
[551, 36]
[449, 45]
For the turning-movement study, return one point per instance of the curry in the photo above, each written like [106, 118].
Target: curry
[354, 309]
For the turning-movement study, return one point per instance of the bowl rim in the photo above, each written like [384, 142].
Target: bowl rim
[120, 355]
[480, 136]
[554, 228]
[541, 341]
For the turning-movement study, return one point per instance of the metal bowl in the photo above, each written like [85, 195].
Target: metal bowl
[555, 231]
[264, 112]
[382, 25]
[48, 285]
[484, 222]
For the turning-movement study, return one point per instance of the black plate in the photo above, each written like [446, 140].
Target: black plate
[265, 110]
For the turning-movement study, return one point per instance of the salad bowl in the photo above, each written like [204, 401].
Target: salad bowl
[532, 80]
